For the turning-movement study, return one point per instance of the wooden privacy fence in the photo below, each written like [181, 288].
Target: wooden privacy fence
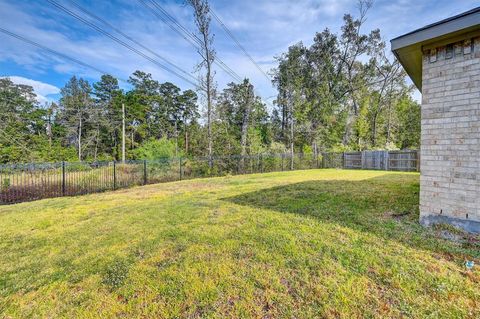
[26, 182]
[383, 160]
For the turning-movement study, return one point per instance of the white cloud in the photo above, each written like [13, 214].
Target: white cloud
[42, 90]
[265, 28]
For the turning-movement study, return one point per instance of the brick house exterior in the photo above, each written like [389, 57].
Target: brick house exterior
[443, 60]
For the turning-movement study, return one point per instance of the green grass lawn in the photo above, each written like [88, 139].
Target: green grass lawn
[303, 244]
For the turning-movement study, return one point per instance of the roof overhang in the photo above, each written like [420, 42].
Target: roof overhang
[408, 47]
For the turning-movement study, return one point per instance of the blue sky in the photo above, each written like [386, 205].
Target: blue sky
[265, 28]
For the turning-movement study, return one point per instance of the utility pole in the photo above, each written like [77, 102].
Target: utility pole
[123, 132]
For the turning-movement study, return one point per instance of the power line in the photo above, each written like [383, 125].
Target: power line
[89, 13]
[195, 41]
[62, 55]
[173, 23]
[218, 61]
[124, 44]
[191, 37]
[168, 19]
[225, 28]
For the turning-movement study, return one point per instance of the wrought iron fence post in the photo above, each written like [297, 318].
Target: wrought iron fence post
[63, 179]
[114, 175]
[144, 172]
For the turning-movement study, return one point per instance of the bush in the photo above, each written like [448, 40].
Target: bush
[156, 149]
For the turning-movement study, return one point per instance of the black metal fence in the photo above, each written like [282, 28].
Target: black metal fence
[26, 182]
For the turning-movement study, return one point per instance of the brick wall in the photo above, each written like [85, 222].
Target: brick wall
[450, 140]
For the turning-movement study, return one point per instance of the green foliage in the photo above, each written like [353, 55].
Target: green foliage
[340, 93]
[156, 149]
[5, 183]
[242, 116]
[408, 112]
[256, 143]
[277, 148]
[343, 90]
[339, 148]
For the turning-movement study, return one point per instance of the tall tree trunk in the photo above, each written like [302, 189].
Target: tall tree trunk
[245, 121]
[49, 127]
[80, 138]
[176, 139]
[186, 134]
[314, 128]
[389, 122]
[291, 137]
[374, 130]
[123, 133]
[284, 124]
[97, 134]
[209, 108]
[202, 21]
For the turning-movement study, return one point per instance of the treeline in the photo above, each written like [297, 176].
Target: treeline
[344, 92]
[341, 93]
[160, 120]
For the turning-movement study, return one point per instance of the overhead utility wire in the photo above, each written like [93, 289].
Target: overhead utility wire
[168, 19]
[89, 13]
[194, 38]
[62, 55]
[189, 36]
[229, 33]
[218, 61]
[225, 28]
[114, 38]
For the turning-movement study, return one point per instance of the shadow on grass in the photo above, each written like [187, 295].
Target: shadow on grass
[386, 206]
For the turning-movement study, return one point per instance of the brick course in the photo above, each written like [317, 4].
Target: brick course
[450, 139]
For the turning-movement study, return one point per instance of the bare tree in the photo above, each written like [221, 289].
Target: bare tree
[206, 51]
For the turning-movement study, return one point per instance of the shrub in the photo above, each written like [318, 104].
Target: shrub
[155, 149]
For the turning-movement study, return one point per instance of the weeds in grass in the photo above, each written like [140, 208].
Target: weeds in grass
[116, 273]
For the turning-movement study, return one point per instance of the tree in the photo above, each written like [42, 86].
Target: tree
[202, 21]
[408, 129]
[325, 91]
[108, 99]
[143, 103]
[171, 110]
[241, 115]
[290, 80]
[75, 112]
[189, 113]
[340, 89]
[20, 118]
